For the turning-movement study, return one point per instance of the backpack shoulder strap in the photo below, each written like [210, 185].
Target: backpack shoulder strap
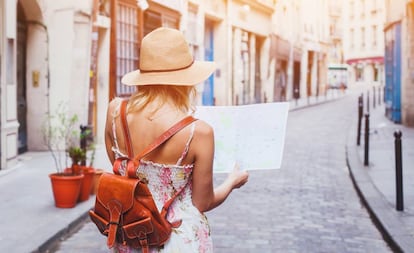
[160, 140]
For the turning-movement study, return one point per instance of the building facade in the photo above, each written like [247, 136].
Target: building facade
[232, 33]
[45, 49]
[75, 52]
[399, 50]
[337, 68]
[364, 40]
[300, 43]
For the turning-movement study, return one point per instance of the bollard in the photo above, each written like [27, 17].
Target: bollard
[366, 153]
[398, 171]
[367, 101]
[360, 111]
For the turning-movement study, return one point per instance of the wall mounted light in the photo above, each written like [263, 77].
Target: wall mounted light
[142, 4]
[35, 78]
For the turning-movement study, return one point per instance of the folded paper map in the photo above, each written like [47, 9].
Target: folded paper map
[251, 135]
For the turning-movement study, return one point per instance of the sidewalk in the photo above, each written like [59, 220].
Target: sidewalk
[31, 222]
[376, 183]
[330, 95]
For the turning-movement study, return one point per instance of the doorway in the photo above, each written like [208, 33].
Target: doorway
[21, 79]
[296, 80]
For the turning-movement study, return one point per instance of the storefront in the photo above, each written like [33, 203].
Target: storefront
[250, 35]
[280, 52]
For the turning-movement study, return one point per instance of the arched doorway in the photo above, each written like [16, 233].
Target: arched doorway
[21, 78]
[32, 74]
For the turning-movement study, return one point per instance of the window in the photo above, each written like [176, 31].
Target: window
[374, 36]
[192, 30]
[351, 10]
[130, 24]
[126, 45]
[362, 8]
[352, 38]
[363, 37]
[192, 25]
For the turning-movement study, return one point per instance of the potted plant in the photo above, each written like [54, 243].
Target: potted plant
[87, 142]
[97, 172]
[58, 129]
[78, 156]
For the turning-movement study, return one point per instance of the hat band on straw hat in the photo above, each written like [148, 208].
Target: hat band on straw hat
[166, 70]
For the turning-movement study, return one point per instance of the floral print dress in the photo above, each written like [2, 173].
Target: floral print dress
[164, 180]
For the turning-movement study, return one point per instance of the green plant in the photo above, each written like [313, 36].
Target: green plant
[92, 147]
[58, 132]
[77, 155]
[87, 141]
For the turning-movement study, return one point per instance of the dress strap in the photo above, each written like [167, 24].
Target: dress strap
[187, 145]
[114, 115]
[125, 128]
[115, 147]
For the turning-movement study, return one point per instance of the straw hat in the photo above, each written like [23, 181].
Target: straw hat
[165, 59]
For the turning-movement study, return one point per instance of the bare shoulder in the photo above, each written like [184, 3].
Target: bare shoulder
[203, 143]
[113, 104]
[203, 129]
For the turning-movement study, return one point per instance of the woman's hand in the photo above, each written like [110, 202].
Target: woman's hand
[238, 177]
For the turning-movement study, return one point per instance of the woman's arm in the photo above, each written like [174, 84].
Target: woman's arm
[205, 197]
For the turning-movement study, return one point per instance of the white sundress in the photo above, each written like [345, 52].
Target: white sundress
[193, 235]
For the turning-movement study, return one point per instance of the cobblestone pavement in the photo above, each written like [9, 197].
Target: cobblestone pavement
[309, 205]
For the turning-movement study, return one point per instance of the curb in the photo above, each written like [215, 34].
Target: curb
[387, 220]
[51, 244]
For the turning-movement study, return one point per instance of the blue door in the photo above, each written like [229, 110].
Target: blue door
[389, 63]
[396, 99]
[208, 91]
[392, 94]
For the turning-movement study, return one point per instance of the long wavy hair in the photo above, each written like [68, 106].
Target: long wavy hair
[181, 97]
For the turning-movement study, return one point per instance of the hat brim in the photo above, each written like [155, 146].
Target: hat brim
[195, 74]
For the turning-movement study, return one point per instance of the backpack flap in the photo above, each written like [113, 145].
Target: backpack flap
[139, 231]
[116, 195]
[113, 187]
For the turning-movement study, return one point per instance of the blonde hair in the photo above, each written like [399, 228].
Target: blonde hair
[180, 96]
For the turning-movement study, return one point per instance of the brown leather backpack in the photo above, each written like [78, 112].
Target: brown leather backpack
[124, 209]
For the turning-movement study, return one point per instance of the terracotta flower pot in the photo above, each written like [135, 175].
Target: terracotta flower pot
[75, 169]
[95, 180]
[66, 189]
[86, 185]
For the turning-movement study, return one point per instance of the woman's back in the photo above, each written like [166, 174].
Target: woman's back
[167, 175]
[144, 131]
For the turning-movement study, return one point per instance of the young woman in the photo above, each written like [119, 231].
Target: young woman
[165, 89]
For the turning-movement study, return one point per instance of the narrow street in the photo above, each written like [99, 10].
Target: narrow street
[309, 205]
